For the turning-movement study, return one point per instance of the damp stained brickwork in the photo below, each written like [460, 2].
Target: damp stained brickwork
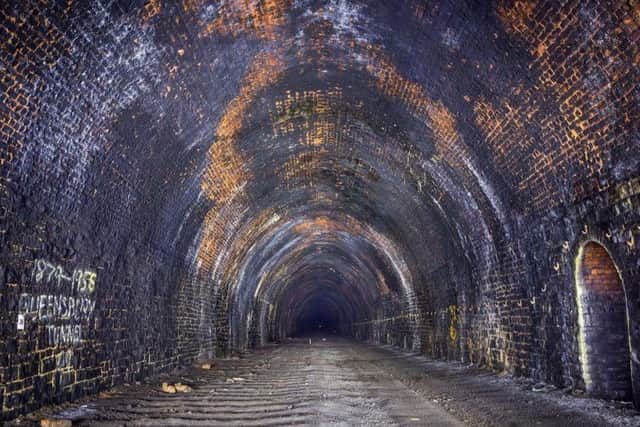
[602, 318]
[177, 177]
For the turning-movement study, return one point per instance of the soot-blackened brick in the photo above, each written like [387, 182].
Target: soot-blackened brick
[186, 175]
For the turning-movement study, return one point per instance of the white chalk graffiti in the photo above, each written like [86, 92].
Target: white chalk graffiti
[64, 359]
[51, 307]
[83, 281]
[63, 312]
[21, 322]
[64, 335]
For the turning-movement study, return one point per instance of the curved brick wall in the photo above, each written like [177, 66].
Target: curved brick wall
[177, 178]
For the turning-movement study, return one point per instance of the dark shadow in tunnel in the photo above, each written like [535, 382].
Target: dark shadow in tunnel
[319, 314]
[318, 271]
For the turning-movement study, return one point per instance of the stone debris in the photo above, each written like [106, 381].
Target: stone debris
[176, 388]
[168, 388]
[55, 422]
[349, 383]
[543, 388]
[182, 388]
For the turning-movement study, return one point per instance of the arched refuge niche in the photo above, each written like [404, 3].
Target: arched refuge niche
[603, 324]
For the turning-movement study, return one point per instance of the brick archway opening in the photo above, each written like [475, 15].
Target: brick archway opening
[603, 325]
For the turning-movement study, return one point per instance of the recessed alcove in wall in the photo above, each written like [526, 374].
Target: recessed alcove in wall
[603, 324]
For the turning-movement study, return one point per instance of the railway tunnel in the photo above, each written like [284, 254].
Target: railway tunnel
[320, 211]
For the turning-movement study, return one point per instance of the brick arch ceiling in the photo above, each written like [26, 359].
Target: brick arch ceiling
[167, 141]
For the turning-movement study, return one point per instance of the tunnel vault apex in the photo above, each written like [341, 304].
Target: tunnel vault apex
[185, 179]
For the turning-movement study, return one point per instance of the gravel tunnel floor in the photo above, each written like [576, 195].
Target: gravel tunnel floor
[326, 380]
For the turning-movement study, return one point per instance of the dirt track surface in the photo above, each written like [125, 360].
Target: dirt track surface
[337, 382]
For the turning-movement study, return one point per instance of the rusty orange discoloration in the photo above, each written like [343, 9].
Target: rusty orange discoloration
[499, 123]
[311, 113]
[227, 171]
[583, 103]
[22, 85]
[218, 228]
[209, 244]
[259, 17]
[191, 6]
[447, 140]
[320, 223]
[303, 165]
[151, 9]
[517, 16]
[17, 102]
[318, 53]
[323, 130]
[265, 69]
[436, 116]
